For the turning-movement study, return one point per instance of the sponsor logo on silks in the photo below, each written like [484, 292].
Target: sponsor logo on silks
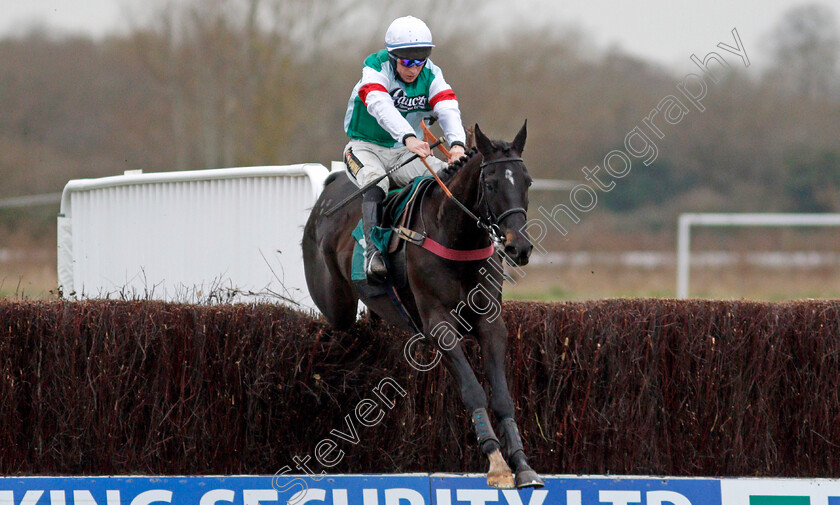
[352, 162]
[409, 103]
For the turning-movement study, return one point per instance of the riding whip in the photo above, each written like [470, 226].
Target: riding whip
[374, 182]
[428, 136]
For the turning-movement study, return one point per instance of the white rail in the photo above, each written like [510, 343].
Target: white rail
[686, 221]
[30, 200]
[553, 185]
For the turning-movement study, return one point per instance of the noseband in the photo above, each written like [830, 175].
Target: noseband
[491, 223]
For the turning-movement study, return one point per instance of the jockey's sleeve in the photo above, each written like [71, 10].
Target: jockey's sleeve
[445, 105]
[449, 116]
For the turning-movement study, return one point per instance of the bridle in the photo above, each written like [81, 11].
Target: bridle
[492, 221]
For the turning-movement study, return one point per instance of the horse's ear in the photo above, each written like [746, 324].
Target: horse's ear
[470, 138]
[519, 141]
[485, 145]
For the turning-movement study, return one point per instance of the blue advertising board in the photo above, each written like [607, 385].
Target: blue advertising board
[562, 490]
[411, 489]
[236, 490]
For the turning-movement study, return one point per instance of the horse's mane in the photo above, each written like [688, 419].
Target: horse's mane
[448, 173]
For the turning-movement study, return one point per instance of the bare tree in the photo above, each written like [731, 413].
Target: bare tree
[807, 46]
[230, 67]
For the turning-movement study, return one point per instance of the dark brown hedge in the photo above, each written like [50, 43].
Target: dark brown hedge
[617, 386]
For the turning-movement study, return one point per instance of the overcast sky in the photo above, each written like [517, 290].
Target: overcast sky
[665, 31]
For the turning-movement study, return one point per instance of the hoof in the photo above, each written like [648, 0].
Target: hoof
[499, 475]
[501, 481]
[528, 478]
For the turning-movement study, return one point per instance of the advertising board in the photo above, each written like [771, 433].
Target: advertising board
[412, 489]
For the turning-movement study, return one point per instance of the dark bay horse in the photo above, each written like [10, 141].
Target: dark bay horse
[444, 297]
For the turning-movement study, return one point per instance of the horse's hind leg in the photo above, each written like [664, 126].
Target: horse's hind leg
[340, 304]
[331, 292]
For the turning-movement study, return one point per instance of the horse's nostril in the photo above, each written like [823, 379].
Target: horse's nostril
[511, 251]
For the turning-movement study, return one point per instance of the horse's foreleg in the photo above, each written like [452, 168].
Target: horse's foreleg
[499, 474]
[493, 348]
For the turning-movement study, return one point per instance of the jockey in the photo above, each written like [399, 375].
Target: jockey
[400, 86]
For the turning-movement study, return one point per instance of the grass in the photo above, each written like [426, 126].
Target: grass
[735, 282]
[28, 273]
[32, 274]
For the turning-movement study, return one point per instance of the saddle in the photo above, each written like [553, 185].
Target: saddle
[398, 208]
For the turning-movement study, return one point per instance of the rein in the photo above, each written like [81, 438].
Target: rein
[490, 225]
[438, 249]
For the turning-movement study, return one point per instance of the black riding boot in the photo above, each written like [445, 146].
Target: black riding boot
[375, 268]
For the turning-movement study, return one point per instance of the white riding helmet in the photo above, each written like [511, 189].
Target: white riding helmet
[409, 37]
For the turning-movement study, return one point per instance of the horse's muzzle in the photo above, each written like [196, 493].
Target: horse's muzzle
[517, 249]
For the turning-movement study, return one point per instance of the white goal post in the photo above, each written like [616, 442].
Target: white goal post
[686, 221]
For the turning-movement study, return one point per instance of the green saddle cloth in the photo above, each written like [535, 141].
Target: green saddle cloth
[381, 235]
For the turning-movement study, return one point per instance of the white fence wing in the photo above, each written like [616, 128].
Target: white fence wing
[189, 236]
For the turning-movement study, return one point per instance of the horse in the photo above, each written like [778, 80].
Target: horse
[444, 297]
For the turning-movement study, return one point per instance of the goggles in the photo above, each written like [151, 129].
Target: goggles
[408, 62]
